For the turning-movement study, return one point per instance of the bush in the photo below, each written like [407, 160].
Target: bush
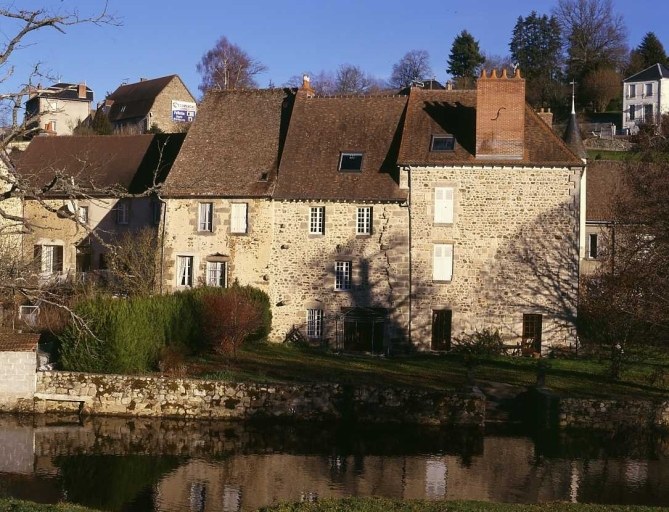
[479, 344]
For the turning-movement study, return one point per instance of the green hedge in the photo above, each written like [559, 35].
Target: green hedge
[128, 335]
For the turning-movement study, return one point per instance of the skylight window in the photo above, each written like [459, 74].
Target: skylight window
[442, 143]
[350, 162]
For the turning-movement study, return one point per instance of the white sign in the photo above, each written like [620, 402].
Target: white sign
[183, 111]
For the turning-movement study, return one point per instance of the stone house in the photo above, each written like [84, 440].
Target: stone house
[386, 221]
[58, 109]
[645, 97]
[164, 103]
[93, 189]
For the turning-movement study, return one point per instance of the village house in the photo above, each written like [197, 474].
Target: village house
[164, 104]
[57, 110]
[95, 189]
[645, 97]
[383, 222]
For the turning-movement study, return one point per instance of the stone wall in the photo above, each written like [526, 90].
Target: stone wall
[602, 414]
[162, 106]
[201, 399]
[17, 378]
[515, 250]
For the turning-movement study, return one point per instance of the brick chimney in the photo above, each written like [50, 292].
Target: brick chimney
[81, 91]
[306, 86]
[547, 116]
[500, 116]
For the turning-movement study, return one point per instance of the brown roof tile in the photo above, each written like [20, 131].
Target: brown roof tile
[321, 128]
[18, 341]
[438, 112]
[105, 163]
[236, 139]
[136, 100]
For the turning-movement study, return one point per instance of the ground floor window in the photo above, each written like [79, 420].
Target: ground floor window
[362, 330]
[532, 325]
[315, 323]
[593, 250]
[441, 329]
[217, 274]
[184, 270]
[49, 258]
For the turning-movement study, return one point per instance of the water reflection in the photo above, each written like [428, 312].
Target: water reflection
[160, 465]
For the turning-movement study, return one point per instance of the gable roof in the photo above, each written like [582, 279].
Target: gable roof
[18, 341]
[321, 128]
[654, 72]
[235, 139]
[101, 164]
[604, 181]
[65, 91]
[136, 100]
[441, 112]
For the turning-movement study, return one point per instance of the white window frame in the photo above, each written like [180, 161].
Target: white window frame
[122, 212]
[648, 87]
[631, 91]
[444, 199]
[185, 267]
[651, 118]
[315, 323]
[205, 217]
[342, 271]
[48, 259]
[217, 274]
[632, 113]
[317, 220]
[239, 218]
[442, 262]
[82, 214]
[363, 220]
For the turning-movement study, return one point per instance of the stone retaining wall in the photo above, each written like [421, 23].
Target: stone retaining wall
[202, 399]
[612, 414]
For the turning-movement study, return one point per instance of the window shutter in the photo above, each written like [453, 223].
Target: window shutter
[442, 262]
[58, 258]
[443, 205]
[238, 223]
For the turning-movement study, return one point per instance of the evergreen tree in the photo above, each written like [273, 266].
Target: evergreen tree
[536, 48]
[649, 52]
[465, 59]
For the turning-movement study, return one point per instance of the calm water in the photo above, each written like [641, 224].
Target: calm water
[144, 465]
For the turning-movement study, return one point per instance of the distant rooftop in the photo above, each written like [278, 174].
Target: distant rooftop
[654, 72]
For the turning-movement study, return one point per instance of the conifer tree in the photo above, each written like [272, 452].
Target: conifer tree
[465, 59]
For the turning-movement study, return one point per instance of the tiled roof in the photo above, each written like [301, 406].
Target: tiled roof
[234, 145]
[65, 91]
[18, 341]
[136, 100]
[439, 112]
[321, 128]
[126, 163]
[604, 181]
[654, 72]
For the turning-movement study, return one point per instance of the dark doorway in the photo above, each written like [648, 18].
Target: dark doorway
[441, 329]
[532, 331]
[363, 329]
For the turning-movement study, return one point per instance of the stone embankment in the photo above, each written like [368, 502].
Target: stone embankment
[602, 414]
[205, 399]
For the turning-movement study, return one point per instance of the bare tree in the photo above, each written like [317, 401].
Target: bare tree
[227, 66]
[353, 80]
[600, 87]
[415, 65]
[134, 262]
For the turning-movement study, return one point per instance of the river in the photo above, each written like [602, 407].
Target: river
[169, 465]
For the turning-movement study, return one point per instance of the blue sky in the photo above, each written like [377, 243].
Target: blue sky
[162, 37]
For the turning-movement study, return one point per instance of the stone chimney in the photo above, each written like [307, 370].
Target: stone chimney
[81, 91]
[547, 116]
[306, 86]
[500, 116]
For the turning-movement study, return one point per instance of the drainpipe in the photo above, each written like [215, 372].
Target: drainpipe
[162, 241]
[410, 302]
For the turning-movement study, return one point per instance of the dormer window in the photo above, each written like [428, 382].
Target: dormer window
[442, 143]
[350, 162]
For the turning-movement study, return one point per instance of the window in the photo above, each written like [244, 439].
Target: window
[314, 323]
[239, 218]
[82, 214]
[156, 211]
[350, 162]
[122, 212]
[632, 112]
[363, 225]
[443, 205]
[217, 274]
[204, 222]
[441, 329]
[342, 275]
[532, 332]
[442, 143]
[184, 271]
[317, 220]
[632, 90]
[649, 89]
[442, 262]
[648, 113]
[592, 246]
[49, 258]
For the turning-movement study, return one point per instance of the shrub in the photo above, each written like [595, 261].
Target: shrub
[485, 342]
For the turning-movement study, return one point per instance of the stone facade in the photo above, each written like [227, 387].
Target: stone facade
[510, 225]
[166, 397]
[161, 111]
[17, 379]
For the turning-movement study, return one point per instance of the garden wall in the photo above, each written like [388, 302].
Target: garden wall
[612, 414]
[202, 399]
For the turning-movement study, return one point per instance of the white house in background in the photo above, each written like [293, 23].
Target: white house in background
[645, 96]
[58, 109]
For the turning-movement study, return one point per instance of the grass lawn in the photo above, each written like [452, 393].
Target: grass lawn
[601, 154]
[643, 376]
[385, 505]
[12, 505]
